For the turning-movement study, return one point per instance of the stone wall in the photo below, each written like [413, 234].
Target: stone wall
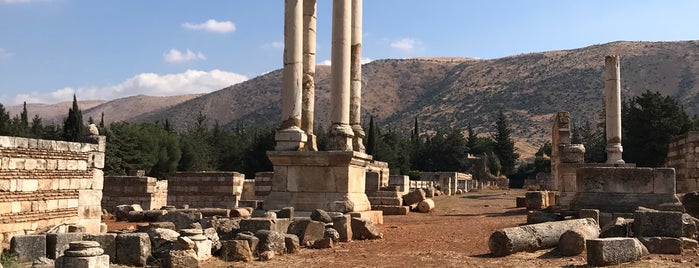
[205, 189]
[449, 182]
[148, 192]
[684, 157]
[47, 182]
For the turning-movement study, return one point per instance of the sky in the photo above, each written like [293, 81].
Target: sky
[109, 49]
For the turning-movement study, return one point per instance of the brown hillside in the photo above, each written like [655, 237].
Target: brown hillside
[51, 113]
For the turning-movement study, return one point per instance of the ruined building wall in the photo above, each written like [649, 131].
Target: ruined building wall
[205, 189]
[148, 192]
[684, 157]
[48, 182]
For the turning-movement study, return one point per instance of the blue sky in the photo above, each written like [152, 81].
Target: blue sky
[51, 49]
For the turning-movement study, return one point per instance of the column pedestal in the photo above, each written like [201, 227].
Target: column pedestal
[328, 180]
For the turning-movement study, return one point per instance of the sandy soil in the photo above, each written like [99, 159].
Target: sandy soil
[455, 234]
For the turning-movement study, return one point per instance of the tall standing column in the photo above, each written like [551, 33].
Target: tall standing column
[291, 137]
[612, 107]
[340, 131]
[309, 70]
[356, 77]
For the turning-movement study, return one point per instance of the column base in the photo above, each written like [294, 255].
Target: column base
[340, 137]
[290, 139]
[358, 139]
[614, 154]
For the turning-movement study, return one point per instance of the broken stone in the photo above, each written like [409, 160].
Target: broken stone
[133, 249]
[612, 251]
[307, 230]
[536, 200]
[689, 226]
[332, 234]
[236, 250]
[153, 215]
[267, 255]
[74, 228]
[162, 241]
[532, 237]
[162, 224]
[364, 229]
[287, 213]
[688, 243]
[589, 213]
[537, 216]
[662, 245]
[392, 210]
[572, 242]
[250, 239]
[202, 246]
[256, 224]
[181, 259]
[56, 243]
[414, 197]
[521, 202]
[270, 241]
[321, 216]
[106, 240]
[28, 247]
[240, 213]
[620, 227]
[83, 254]
[342, 224]
[212, 235]
[323, 243]
[690, 201]
[292, 243]
[182, 220]
[184, 243]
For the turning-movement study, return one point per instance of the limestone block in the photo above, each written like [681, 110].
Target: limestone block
[286, 212]
[256, 224]
[6, 141]
[107, 242]
[4, 185]
[414, 197]
[133, 249]
[90, 197]
[688, 243]
[28, 247]
[29, 185]
[236, 250]
[292, 243]
[32, 143]
[392, 210]
[307, 230]
[74, 146]
[615, 180]
[572, 242]
[536, 200]
[425, 205]
[521, 202]
[589, 213]
[16, 164]
[322, 243]
[202, 247]
[181, 259]
[21, 142]
[343, 226]
[321, 216]
[5, 208]
[30, 164]
[101, 261]
[364, 229]
[81, 165]
[182, 220]
[375, 216]
[56, 243]
[249, 238]
[612, 251]
[62, 164]
[271, 241]
[536, 216]
[97, 160]
[662, 245]
[619, 227]
[72, 164]
[658, 223]
[664, 181]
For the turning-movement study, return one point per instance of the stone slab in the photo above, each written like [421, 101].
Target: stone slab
[392, 210]
[107, 242]
[56, 243]
[658, 223]
[28, 247]
[133, 249]
[612, 251]
[375, 216]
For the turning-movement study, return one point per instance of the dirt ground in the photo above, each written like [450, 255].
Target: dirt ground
[455, 234]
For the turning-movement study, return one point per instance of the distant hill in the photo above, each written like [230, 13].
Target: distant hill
[529, 88]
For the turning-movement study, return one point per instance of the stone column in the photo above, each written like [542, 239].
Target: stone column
[340, 131]
[291, 137]
[309, 70]
[356, 77]
[612, 107]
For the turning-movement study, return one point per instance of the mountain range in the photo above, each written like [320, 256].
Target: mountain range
[442, 92]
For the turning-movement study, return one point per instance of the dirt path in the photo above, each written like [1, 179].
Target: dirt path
[455, 234]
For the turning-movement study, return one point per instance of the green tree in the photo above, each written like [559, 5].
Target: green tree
[650, 122]
[371, 137]
[73, 126]
[198, 153]
[504, 147]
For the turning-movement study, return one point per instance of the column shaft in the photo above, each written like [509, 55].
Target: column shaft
[356, 77]
[309, 69]
[612, 106]
[340, 131]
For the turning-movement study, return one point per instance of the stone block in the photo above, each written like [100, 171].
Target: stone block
[373, 182]
[612, 251]
[182, 220]
[392, 210]
[271, 241]
[321, 216]
[323, 243]
[342, 224]
[414, 197]
[536, 216]
[536, 200]
[307, 230]
[662, 245]
[688, 243]
[292, 243]
[256, 224]
[286, 212]
[236, 250]
[620, 227]
[250, 238]
[28, 247]
[181, 259]
[107, 242]
[589, 213]
[56, 243]
[658, 223]
[133, 249]
[375, 216]
[615, 180]
[521, 202]
[101, 261]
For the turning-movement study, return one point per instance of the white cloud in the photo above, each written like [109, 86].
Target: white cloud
[4, 54]
[176, 56]
[405, 44]
[277, 44]
[188, 82]
[211, 26]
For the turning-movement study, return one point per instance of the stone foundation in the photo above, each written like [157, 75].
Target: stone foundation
[623, 189]
[205, 189]
[48, 182]
[148, 192]
[332, 181]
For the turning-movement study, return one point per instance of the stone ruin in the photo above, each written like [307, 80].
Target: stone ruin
[614, 211]
[683, 156]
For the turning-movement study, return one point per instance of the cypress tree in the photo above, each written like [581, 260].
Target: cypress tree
[504, 147]
[73, 127]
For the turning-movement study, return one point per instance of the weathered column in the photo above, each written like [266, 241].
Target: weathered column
[356, 77]
[309, 70]
[612, 107]
[291, 137]
[340, 131]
